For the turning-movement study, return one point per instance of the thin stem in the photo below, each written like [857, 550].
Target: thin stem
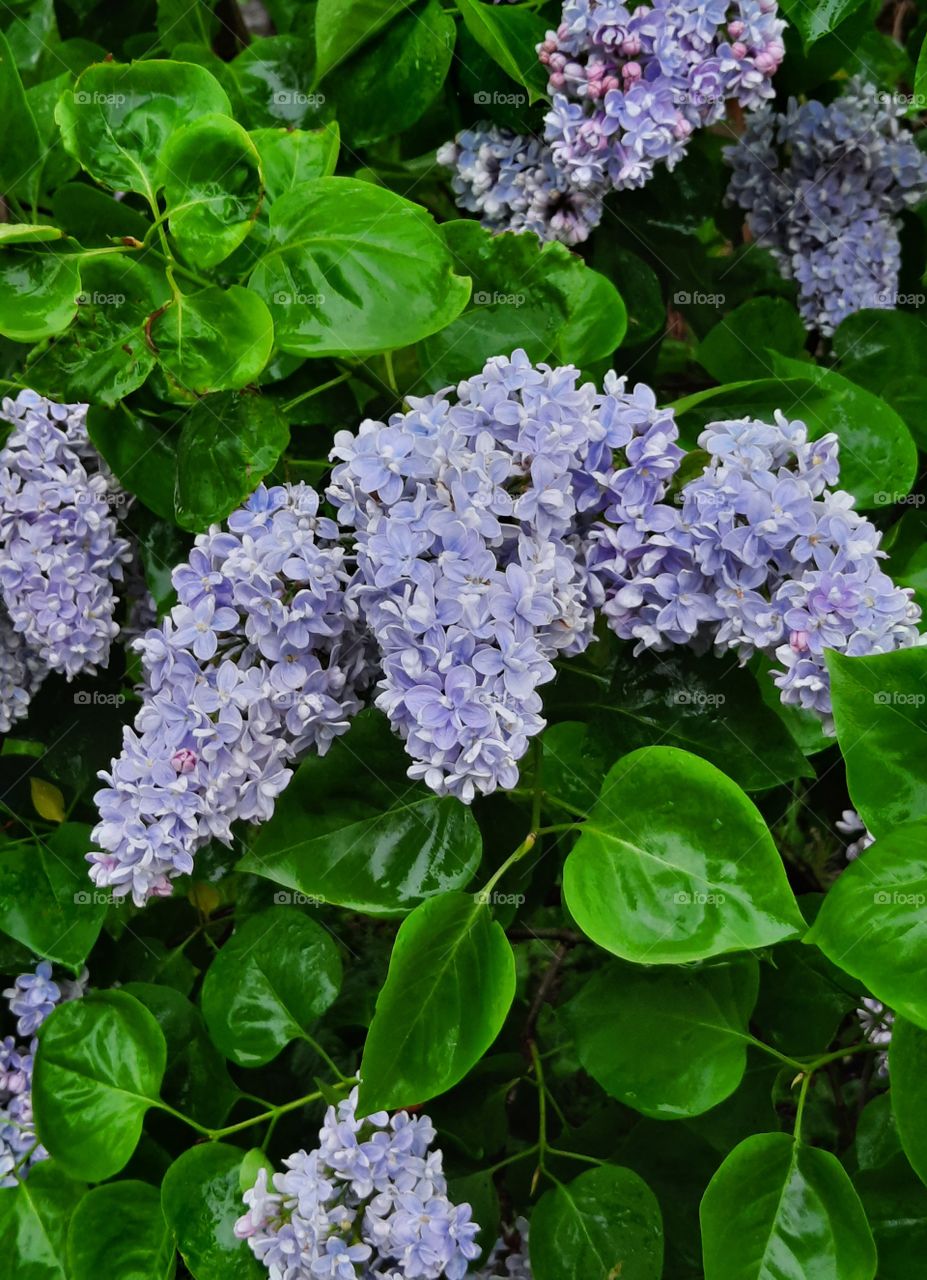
[525, 847]
[390, 372]
[519, 1155]
[272, 1114]
[329, 1062]
[802, 1097]
[542, 1103]
[574, 1155]
[317, 391]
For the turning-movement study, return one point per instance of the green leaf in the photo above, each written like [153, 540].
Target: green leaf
[597, 320]
[871, 922]
[21, 153]
[103, 356]
[271, 981]
[201, 1201]
[117, 118]
[34, 1217]
[119, 1230]
[880, 715]
[141, 456]
[896, 1207]
[354, 269]
[214, 340]
[291, 156]
[228, 444]
[737, 347]
[197, 1081]
[46, 901]
[28, 232]
[402, 72]
[95, 217]
[342, 27]
[667, 1042]
[907, 1060]
[603, 1225]
[779, 1208]
[186, 21]
[803, 1000]
[814, 21]
[273, 74]
[211, 173]
[675, 863]
[450, 984]
[97, 1071]
[510, 35]
[38, 293]
[920, 78]
[351, 829]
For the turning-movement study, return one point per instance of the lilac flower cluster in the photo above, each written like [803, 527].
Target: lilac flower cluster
[630, 85]
[369, 1202]
[877, 1022]
[822, 187]
[469, 518]
[509, 1256]
[759, 554]
[59, 550]
[511, 180]
[21, 675]
[257, 662]
[31, 999]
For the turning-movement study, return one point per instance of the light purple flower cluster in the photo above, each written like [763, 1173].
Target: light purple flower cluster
[21, 675]
[509, 1257]
[468, 517]
[822, 187]
[759, 554]
[31, 999]
[851, 824]
[257, 662]
[369, 1203]
[511, 180]
[60, 554]
[630, 85]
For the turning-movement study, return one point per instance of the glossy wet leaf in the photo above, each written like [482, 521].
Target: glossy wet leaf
[46, 901]
[21, 153]
[119, 1229]
[103, 355]
[117, 118]
[97, 1072]
[95, 217]
[907, 1064]
[353, 269]
[28, 233]
[34, 1219]
[604, 1224]
[214, 340]
[228, 443]
[816, 21]
[352, 830]
[343, 26]
[201, 1200]
[668, 1042]
[737, 346]
[779, 1208]
[274, 77]
[896, 1207]
[510, 36]
[271, 981]
[675, 863]
[141, 456]
[291, 156]
[38, 293]
[211, 174]
[880, 714]
[450, 985]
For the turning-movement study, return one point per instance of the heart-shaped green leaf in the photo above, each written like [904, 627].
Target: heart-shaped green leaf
[34, 1218]
[119, 1230]
[292, 156]
[214, 340]
[201, 1200]
[39, 290]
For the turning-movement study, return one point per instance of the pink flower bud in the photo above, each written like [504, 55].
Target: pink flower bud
[735, 29]
[184, 760]
[631, 71]
[798, 641]
[739, 50]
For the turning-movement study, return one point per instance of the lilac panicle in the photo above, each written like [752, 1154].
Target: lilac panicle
[258, 662]
[369, 1201]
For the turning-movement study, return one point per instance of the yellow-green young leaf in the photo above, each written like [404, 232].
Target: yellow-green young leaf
[28, 232]
[211, 173]
[47, 800]
[214, 340]
[292, 156]
[778, 1208]
[659, 874]
[450, 985]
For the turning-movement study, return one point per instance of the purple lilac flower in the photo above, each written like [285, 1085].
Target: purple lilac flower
[509, 1257]
[512, 181]
[21, 674]
[258, 662]
[370, 1201]
[759, 554]
[851, 824]
[469, 516]
[31, 998]
[822, 187]
[59, 550]
[877, 1023]
[630, 85]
